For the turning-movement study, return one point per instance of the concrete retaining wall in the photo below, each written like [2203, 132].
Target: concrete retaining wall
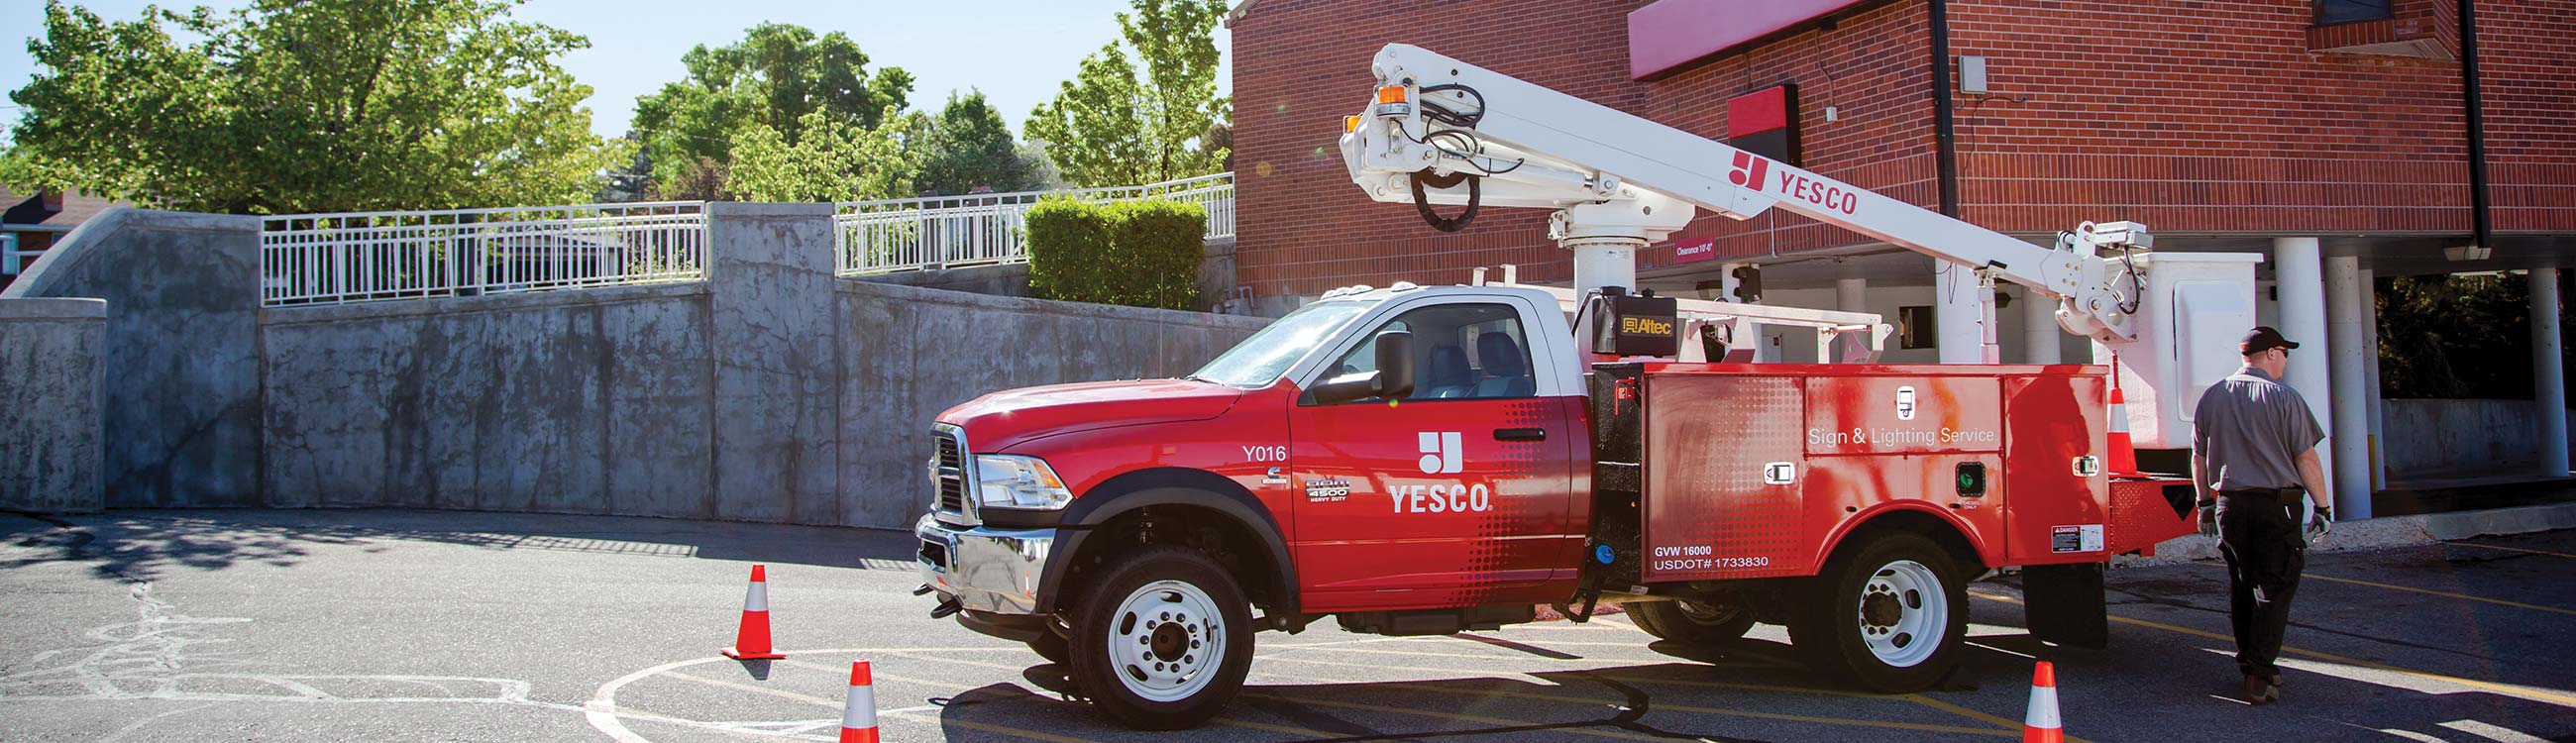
[2428, 437]
[589, 401]
[772, 391]
[908, 353]
[997, 279]
[181, 406]
[53, 368]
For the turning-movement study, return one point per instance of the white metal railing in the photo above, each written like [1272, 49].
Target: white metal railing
[912, 234]
[368, 256]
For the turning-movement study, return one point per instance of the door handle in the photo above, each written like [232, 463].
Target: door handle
[1520, 434]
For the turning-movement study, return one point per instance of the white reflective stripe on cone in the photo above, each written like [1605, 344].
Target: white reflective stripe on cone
[756, 599]
[2043, 708]
[2119, 413]
[860, 713]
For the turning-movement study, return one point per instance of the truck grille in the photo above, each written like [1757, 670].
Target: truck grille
[949, 482]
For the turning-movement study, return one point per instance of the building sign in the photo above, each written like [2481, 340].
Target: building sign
[1668, 36]
[1765, 122]
[1695, 249]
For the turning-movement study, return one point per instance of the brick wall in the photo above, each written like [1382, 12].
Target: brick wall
[2527, 67]
[2201, 117]
[2193, 116]
[1300, 66]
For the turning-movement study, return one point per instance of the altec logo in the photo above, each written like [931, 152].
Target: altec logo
[1440, 452]
[1749, 171]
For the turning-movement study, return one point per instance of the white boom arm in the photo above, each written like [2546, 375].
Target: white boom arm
[1445, 132]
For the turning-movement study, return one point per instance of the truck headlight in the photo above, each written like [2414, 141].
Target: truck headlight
[1012, 481]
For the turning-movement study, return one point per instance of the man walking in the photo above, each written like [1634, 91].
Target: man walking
[2254, 464]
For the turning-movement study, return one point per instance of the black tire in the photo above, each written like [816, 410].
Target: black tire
[1052, 647]
[1834, 633]
[1118, 686]
[1690, 622]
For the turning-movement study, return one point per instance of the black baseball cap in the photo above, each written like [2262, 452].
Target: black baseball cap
[2264, 338]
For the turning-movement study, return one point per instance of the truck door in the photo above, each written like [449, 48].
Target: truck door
[1454, 495]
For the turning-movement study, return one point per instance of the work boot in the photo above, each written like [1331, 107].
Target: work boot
[2260, 691]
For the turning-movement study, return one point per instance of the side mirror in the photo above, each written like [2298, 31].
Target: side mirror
[1394, 364]
[1392, 379]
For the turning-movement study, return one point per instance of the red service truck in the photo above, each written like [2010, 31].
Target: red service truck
[1431, 460]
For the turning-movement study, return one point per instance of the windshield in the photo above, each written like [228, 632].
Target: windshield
[1260, 359]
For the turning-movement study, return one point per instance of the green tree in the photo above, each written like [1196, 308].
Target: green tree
[967, 145]
[309, 105]
[835, 160]
[1116, 124]
[776, 77]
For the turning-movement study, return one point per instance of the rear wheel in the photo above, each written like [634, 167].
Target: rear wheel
[1162, 640]
[1692, 622]
[1889, 616]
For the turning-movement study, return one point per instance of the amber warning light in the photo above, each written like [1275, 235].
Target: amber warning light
[1392, 102]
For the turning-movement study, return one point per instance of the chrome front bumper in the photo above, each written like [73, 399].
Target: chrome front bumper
[984, 569]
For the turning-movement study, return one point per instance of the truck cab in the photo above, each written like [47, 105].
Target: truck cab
[1313, 475]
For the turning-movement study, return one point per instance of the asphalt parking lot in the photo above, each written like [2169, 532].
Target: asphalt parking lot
[408, 625]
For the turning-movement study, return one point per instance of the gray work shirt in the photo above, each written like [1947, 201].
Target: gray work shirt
[2249, 430]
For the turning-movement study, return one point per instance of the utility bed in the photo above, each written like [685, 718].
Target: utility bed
[1739, 471]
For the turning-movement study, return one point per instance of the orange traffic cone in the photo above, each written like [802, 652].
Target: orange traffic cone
[751, 642]
[2040, 725]
[859, 711]
[2124, 457]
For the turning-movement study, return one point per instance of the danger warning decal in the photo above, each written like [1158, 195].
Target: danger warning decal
[2082, 538]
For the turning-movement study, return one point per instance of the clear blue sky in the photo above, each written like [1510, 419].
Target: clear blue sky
[1016, 51]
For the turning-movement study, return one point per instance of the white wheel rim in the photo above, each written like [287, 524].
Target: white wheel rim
[1903, 613]
[1166, 642]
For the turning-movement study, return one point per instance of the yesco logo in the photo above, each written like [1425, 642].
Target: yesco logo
[1440, 452]
[1749, 171]
[1755, 173]
[1441, 455]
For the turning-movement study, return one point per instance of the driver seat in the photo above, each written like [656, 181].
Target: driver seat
[1507, 371]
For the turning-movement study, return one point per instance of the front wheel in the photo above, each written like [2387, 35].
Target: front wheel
[1691, 622]
[1162, 640]
[1889, 617]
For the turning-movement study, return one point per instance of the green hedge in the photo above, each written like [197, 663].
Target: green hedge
[1137, 253]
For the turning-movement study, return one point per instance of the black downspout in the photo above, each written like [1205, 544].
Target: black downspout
[1944, 136]
[2481, 225]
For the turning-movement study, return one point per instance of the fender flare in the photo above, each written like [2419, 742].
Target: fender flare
[1130, 491]
[1842, 532]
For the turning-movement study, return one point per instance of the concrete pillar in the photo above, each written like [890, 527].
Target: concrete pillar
[770, 291]
[2348, 366]
[2548, 372]
[53, 445]
[1959, 314]
[2298, 274]
[2040, 335]
[2378, 407]
[1851, 295]
[182, 412]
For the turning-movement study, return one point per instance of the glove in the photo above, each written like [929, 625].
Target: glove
[2320, 520]
[2209, 519]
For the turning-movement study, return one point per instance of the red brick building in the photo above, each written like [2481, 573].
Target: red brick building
[2333, 136]
[30, 222]
[2218, 120]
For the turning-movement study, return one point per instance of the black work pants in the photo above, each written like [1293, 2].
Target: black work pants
[2266, 546]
